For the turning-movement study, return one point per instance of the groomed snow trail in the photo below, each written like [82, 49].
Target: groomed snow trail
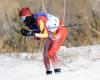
[12, 68]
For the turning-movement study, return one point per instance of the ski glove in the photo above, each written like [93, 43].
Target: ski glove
[28, 33]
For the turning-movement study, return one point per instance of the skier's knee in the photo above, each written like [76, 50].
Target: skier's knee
[51, 54]
[45, 55]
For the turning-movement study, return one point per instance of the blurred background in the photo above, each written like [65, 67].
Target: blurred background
[86, 12]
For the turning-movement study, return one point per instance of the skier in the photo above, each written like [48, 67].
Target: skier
[44, 25]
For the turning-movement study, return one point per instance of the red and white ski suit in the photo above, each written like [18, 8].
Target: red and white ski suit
[56, 34]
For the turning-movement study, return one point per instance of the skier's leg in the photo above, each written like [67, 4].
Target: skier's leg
[55, 45]
[45, 55]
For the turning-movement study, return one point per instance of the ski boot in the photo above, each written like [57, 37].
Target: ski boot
[48, 72]
[57, 70]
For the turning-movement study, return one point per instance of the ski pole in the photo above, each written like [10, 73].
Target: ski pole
[71, 25]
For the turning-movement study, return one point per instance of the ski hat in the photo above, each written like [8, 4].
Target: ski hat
[24, 12]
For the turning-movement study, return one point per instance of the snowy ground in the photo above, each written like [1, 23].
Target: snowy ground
[78, 63]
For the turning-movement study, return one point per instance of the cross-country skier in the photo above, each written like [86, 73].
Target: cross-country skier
[44, 25]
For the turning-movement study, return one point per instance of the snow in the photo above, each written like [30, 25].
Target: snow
[77, 63]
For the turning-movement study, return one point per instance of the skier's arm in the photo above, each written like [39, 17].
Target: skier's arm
[44, 32]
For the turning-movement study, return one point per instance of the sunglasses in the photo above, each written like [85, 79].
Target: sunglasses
[22, 19]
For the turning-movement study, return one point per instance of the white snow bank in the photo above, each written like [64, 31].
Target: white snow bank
[91, 52]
